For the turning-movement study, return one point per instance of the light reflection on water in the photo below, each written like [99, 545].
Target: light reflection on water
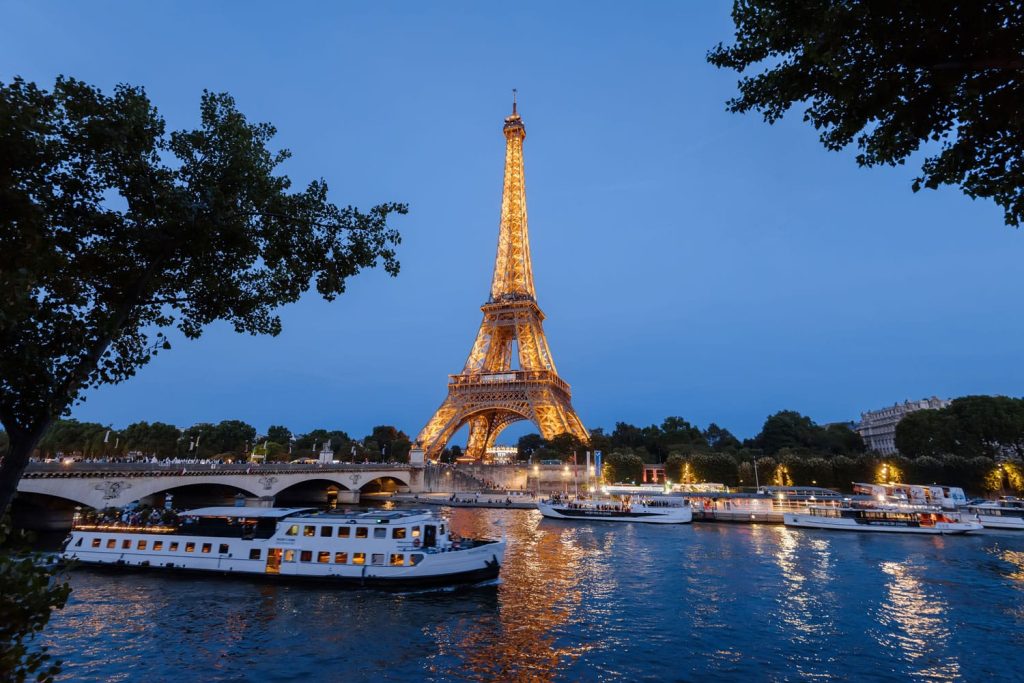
[584, 602]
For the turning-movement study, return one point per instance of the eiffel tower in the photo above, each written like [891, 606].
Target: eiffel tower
[490, 393]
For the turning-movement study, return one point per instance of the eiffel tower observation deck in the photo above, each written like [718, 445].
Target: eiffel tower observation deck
[510, 374]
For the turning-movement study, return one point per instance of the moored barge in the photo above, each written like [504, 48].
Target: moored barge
[361, 548]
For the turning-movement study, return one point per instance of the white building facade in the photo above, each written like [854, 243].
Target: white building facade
[878, 427]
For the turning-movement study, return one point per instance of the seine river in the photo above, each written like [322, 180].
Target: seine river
[585, 602]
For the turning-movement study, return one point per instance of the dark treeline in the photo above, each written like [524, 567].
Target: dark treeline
[977, 443]
[228, 439]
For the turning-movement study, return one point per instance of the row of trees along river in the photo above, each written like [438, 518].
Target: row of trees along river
[225, 440]
[977, 442]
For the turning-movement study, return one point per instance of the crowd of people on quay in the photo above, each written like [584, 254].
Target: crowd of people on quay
[143, 516]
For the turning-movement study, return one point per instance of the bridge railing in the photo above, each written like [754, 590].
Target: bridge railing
[123, 469]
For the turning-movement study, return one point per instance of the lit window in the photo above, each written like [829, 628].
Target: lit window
[415, 532]
[158, 545]
[309, 531]
[254, 554]
[323, 556]
[126, 544]
[415, 559]
[358, 558]
[326, 531]
[223, 549]
[377, 558]
[361, 532]
[289, 555]
[340, 558]
[111, 543]
[96, 542]
[141, 545]
[397, 560]
[190, 547]
[380, 533]
[293, 530]
[306, 556]
[398, 532]
[344, 532]
[207, 547]
[174, 547]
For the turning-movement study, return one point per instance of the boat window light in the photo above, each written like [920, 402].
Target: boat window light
[398, 532]
[397, 560]
[306, 556]
[323, 556]
[158, 545]
[358, 558]
[309, 531]
[173, 547]
[293, 530]
[111, 543]
[361, 531]
[289, 555]
[207, 547]
[190, 547]
[96, 542]
[340, 558]
[344, 531]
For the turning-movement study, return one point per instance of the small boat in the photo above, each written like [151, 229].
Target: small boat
[1005, 513]
[946, 497]
[362, 548]
[624, 509]
[882, 519]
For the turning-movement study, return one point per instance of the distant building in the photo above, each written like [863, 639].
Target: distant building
[502, 455]
[878, 427]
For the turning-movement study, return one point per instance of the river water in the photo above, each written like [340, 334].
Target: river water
[585, 602]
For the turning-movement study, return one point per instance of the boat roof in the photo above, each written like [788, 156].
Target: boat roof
[373, 515]
[233, 511]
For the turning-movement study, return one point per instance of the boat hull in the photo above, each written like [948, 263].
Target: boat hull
[1000, 522]
[682, 515]
[843, 524]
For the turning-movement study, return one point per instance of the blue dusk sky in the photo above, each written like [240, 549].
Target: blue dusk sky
[690, 261]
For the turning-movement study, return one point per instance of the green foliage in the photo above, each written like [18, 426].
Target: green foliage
[113, 231]
[388, 443]
[972, 426]
[72, 436]
[279, 434]
[228, 437]
[892, 77]
[718, 468]
[621, 468]
[157, 439]
[792, 431]
[528, 445]
[29, 592]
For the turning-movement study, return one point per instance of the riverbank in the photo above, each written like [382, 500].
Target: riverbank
[501, 501]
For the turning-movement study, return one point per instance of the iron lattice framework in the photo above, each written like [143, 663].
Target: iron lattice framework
[490, 394]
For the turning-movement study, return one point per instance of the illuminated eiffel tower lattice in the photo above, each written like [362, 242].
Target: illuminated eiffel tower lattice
[491, 392]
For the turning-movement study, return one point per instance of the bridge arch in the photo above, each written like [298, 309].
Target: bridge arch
[321, 490]
[385, 483]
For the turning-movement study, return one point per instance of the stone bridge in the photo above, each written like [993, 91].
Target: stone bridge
[100, 485]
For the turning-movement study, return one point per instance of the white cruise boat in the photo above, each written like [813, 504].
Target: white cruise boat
[363, 548]
[1005, 513]
[625, 509]
[879, 519]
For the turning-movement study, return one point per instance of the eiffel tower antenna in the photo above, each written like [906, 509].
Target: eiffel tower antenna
[494, 388]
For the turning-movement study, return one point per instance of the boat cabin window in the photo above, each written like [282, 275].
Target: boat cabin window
[95, 542]
[344, 532]
[126, 544]
[223, 549]
[309, 531]
[293, 530]
[323, 556]
[289, 555]
[380, 533]
[111, 543]
[377, 558]
[415, 559]
[327, 531]
[173, 547]
[398, 532]
[361, 531]
[78, 543]
[141, 545]
[415, 532]
[340, 558]
[358, 558]
[306, 556]
[190, 547]
[158, 545]
[207, 547]
[255, 553]
[397, 560]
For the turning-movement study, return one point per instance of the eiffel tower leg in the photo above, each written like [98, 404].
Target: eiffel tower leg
[433, 437]
[476, 444]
